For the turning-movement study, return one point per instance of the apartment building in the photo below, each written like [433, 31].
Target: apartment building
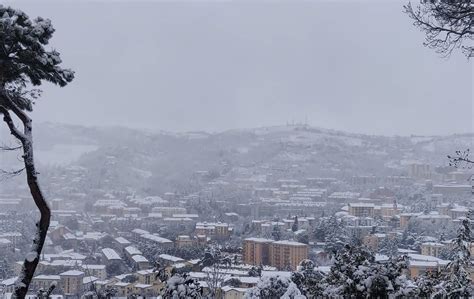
[373, 241]
[183, 241]
[432, 248]
[213, 230]
[405, 219]
[256, 251]
[71, 282]
[95, 270]
[287, 254]
[280, 254]
[44, 281]
[359, 209]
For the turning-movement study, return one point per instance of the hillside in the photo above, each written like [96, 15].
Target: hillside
[123, 158]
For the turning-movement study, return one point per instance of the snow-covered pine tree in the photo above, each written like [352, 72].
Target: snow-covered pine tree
[308, 280]
[255, 271]
[182, 286]
[398, 284]
[294, 227]
[25, 62]
[428, 284]
[292, 292]
[335, 236]
[457, 281]
[351, 268]
[389, 246]
[320, 230]
[269, 288]
[276, 233]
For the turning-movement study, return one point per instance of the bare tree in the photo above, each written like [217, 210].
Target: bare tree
[216, 264]
[461, 160]
[446, 23]
[24, 62]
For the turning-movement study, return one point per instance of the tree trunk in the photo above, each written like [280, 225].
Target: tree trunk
[31, 261]
[26, 138]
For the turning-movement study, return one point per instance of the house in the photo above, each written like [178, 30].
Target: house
[419, 264]
[94, 270]
[71, 282]
[146, 276]
[131, 251]
[123, 288]
[44, 281]
[110, 256]
[156, 240]
[233, 292]
[13, 237]
[167, 259]
[458, 212]
[88, 282]
[144, 290]
[217, 230]
[373, 241]
[137, 234]
[432, 248]
[405, 219]
[140, 262]
[121, 243]
[8, 285]
[6, 245]
[183, 241]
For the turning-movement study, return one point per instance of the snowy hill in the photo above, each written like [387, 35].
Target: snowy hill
[163, 161]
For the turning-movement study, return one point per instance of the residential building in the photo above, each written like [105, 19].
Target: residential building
[71, 283]
[256, 251]
[361, 209]
[183, 241]
[432, 248]
[287, 254]
[280, 254]
[44, 281]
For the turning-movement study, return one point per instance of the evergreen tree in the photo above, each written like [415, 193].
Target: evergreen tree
[320, 230]
[25, 62]
[303, 238]
[428, 284]
[457, 280]
[255, 271]
[398, 284]
[276, 233]
[182, 286]
[356, 274]
[294, 227]
[5, 268]
[308, 280]
[335, 236]
[389, 246]
[446, 253]
[348, 273]
[269, 288]
[292, 292]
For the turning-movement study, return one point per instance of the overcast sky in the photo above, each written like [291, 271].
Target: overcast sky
[357, 66]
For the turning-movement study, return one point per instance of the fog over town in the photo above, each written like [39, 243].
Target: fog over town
[234, 149]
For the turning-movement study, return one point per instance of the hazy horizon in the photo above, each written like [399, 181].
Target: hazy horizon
[155, 130]
[214, 66]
